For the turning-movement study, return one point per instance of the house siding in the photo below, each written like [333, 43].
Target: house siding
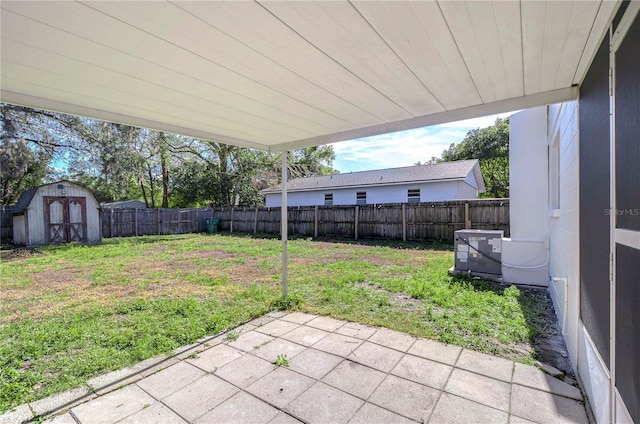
[466, 191]
[429, 192]
[564, 266]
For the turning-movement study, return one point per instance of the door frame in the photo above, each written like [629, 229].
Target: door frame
[66, 224]
[629, 238]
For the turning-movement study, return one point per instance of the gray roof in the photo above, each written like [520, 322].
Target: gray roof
[24, 200]
[457, 170]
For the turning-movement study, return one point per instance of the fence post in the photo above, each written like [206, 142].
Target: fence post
[231, 224]
[255, 222]
[404, 222]
[135, 220]
[467, 220]
[158, 221]
[315, 224]
[356, 221]
[111, 225]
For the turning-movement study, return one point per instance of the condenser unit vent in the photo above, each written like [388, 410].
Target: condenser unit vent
[479, 251]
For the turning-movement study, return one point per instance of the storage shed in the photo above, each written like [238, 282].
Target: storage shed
[60, 212]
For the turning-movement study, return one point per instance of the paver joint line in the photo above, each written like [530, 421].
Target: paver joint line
[340, 371]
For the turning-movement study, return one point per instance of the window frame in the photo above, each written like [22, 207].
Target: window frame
[411, 195]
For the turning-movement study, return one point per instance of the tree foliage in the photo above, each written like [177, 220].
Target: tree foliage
[491, 146]
[119, 162]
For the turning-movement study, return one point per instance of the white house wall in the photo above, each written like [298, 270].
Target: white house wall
[36, 212]
[525, 255]
[465, 191]
[429, 192]
[563, 223]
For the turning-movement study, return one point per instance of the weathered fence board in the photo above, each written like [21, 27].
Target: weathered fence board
[6, 224]
[410, 221]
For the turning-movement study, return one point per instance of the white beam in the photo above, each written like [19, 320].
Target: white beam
[284, 226]
[508, 105]
[119, 118]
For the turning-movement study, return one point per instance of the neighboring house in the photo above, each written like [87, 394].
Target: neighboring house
[124, 204]
[53, 213]
[420, 183]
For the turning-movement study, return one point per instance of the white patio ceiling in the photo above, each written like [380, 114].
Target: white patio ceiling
[284, 75]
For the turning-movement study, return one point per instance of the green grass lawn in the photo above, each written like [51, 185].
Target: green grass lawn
[69, 313]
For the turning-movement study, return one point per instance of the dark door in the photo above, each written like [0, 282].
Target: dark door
[65, 219]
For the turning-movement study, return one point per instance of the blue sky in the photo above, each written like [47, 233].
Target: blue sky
[404, 148]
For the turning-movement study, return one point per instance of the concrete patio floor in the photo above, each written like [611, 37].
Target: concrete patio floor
[339, 372]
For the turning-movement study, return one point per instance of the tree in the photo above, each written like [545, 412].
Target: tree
[119, 162]
[24, 162]
[21, 167]
[491, 146]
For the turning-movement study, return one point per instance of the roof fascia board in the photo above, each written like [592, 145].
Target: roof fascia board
[508, 105]
[477, 173]
[291, 190]
[63, 107]
[625, 24]
[606, 13]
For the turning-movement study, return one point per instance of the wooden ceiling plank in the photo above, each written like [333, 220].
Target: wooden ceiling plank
[168, 23]
[578, 30]
[533, 24]
[129, 113]
[187, 102]
[437, 64]
[90, 25]
[555, 38]
[510, 38]
[606, 12]
[283, 45]
[95, 94]
[461, 24]
[342, 34]
[486, 28]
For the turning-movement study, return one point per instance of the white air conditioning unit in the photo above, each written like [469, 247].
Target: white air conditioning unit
[478, 251]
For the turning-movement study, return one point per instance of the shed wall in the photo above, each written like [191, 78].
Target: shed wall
[36, 212]
[19, 237]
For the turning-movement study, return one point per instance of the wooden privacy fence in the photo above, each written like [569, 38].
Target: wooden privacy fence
[142, 222]
[6, 224]
[400, 221]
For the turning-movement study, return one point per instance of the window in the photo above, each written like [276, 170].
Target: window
[328, 199]
[361, 198]
[413, 195]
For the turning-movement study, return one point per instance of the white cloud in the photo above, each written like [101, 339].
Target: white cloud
[404, 148]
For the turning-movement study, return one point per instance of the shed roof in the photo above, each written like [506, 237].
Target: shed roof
[446, 171]
[24, 200]
[26, 196]
[284, 75]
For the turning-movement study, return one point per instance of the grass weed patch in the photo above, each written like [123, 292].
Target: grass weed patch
[71, 312]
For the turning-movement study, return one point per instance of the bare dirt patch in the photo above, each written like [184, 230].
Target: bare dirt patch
[82, 286]
[400, 300]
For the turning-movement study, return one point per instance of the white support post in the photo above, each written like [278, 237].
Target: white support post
[284, 225]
